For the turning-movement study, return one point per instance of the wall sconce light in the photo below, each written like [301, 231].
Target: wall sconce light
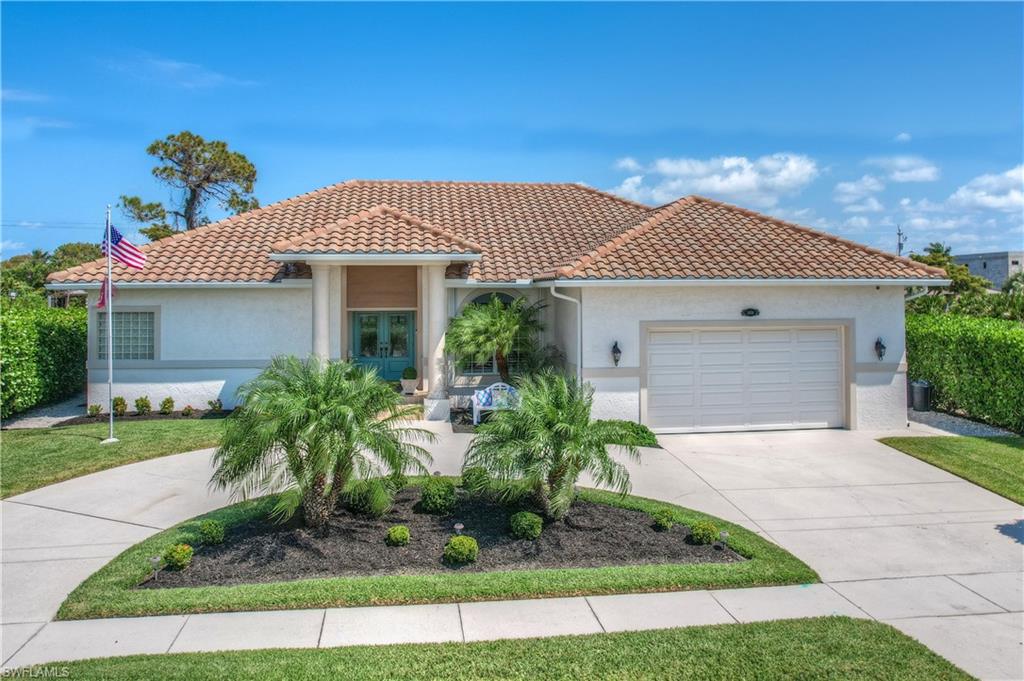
[880, 349]
[750, 312]
[616, 353]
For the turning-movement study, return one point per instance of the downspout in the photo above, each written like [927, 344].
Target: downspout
[579, 329]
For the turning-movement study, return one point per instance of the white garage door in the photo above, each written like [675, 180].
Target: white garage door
[744, 379]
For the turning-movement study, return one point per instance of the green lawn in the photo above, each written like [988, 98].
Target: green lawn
[110, 592]
[995, 463]
[37, 457]
[825, 648]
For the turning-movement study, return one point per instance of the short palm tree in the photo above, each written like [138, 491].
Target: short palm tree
[549, 441]
[493, 329]
[308, 427]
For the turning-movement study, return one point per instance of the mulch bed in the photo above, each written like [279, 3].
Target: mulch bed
[592, 535]
[152, 416]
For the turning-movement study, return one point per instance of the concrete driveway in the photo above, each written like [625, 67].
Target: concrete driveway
[900, 540]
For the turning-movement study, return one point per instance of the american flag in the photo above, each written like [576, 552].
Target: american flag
[102, 303]
[123, 251]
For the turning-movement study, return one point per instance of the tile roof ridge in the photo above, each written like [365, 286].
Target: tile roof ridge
[646, 224]
[188, 233]
[825, 235]
[609, 195]
[374, 211]
[462, 183]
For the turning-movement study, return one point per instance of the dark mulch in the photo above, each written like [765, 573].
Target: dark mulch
[592, 535]
[462, 421]
[153, 416]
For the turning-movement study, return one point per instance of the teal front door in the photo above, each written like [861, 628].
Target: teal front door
[384, 341]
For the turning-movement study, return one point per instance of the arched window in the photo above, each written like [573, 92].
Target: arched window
[486, 298]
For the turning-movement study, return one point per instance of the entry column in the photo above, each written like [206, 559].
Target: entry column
[321, 311]
[435, 407]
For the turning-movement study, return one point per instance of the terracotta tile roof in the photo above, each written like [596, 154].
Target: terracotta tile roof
[699, 238]
[522, 231]
[381, 229]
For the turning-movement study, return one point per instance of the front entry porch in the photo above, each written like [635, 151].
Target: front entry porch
[384, 341]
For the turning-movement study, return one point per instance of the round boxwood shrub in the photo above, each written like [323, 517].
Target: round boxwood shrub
[526, 525]
[704, 532]
[438, 496]
[461, 550]
[211, 531]
[188, 411]
[178, 556]
[398, 535]
[120, 406]
[476, 479]
[167, 406]
[142, 406]
[664, 519]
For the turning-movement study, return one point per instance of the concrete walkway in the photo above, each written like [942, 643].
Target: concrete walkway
[49, 415]
[894, 539]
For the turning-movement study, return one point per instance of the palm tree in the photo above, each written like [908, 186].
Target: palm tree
[549, 441]
[308, 427]
[493, 329]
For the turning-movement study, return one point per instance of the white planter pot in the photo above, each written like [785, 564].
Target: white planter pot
[436, 409]
[409, 385]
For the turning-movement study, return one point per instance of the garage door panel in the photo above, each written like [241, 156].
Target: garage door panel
[724, 379]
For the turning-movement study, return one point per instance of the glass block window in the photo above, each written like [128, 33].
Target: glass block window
[134, 335]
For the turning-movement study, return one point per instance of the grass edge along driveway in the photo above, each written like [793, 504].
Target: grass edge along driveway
[819, 648]
[110, 592]
[31, 458]
[995, 463]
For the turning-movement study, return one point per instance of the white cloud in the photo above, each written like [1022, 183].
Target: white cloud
[6, 245]
[906, 168]
[868, 205]
[759, 182]
[629, 164]
[9, 95]
[23, 128]
[26, 224]
[856, 190]
[902, 138]
[183, 74]
[856, 223]
[1003, 191]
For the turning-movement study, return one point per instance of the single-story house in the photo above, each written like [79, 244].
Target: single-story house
[723, 318]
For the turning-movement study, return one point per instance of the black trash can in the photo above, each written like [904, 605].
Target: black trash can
[921, 395]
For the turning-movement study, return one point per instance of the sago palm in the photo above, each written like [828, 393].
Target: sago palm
[549, 441]
[493, 329]
[305, 428]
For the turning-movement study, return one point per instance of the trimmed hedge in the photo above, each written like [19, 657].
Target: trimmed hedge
[42, 356]
[976, 365]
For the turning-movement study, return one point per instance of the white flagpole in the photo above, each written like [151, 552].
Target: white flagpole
[110, 334]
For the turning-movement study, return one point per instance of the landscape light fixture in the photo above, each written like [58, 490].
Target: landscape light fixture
[155, 562]
[616, 353]
[880, 349]
[459, 527]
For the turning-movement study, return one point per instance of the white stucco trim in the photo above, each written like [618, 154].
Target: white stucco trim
[284, 283]
[748, 282]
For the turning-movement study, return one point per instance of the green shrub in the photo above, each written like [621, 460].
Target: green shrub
[120, 406]
[398, 481]
[167, 405]
[409, 373]
[526, 525]
[211, 532]
[188, 411]
[42, 356]
[438, 496]
[975, 365]
[704, 532]
[142, 406]
[398, 535]
[216, 406]
[372, 498]
[476, 479]
[95, 410]
[461, 550]
[664, 519]
[639, 435]
[178, 556]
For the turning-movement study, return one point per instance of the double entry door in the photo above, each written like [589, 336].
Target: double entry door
[384, 341]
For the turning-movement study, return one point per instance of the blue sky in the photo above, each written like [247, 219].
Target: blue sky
[849, 118]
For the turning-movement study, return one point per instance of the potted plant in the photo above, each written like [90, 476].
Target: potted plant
[409, 380]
